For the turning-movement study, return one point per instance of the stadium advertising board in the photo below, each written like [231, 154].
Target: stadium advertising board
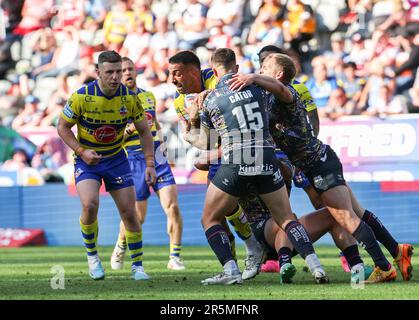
[374, 149]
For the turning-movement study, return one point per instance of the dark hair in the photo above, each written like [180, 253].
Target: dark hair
[109, 56]
[287, 65]
[267, 50]
[349, 64]
[185, 57]
[224, 57]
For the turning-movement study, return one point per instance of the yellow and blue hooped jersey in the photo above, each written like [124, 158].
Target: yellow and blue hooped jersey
[101, 120]
[305, 95]
[148, 102]
[208, 81]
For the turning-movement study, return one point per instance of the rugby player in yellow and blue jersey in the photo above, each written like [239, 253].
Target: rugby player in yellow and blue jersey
[186, 74]
[165, 186]
[101, 110]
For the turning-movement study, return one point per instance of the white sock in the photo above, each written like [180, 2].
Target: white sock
[231, 267]
[93, 259]
[313, 262]
[252, 245]
[357, 268]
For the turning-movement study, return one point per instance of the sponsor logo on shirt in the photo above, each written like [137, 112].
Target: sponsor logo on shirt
[105, 134]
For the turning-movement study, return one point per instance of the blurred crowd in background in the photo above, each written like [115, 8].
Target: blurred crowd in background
[357, 57]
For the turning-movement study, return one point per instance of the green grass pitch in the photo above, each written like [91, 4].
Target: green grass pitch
[25, 273]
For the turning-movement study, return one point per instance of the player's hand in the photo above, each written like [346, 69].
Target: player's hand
[150, 176]
[201, 97]
[239, 81]
[90, 157]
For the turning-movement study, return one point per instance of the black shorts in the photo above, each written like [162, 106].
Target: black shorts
[258, 229]
[263, 177]
[327, 172]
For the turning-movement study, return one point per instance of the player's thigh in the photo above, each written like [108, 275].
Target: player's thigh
[317, 223]
[279, 206]
[218, 203]
[314, 196]
[338, 201]
[88, 190]
[165, 187]
[125, 200]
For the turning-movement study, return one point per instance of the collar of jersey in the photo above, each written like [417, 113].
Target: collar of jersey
[222, 81]
[100, 93]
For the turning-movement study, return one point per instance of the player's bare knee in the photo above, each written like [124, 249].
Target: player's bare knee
[141, 219]
[90, 207]
[172, 209]
[128, 215]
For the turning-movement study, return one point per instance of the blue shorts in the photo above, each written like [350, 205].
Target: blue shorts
[300, 180]
[114, 171]
[138, 165]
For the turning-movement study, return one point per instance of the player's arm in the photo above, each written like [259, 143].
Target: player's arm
[239, 81]
[206, 158]
[141, 124]
[199, 138]
[312, 112]
[313, 116]
[66, 121]
[147, 144]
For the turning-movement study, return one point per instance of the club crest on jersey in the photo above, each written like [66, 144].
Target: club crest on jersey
[105, 134]
[320, 183]
[123, 111]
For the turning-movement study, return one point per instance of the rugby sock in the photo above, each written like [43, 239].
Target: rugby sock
[122, 243]
[218, 240]
[381, 233]
[299, 238]
[233, 246]
[175, 249]
[90, 233]
[284, 256]
[365, 236]
[352, 256]
[135, 246]
[240, 224]
[242, 227]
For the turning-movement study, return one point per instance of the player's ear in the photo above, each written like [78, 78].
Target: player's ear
[215, 72]
[237, 68]
[279, 75]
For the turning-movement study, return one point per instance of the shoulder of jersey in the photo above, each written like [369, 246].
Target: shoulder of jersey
[207, 73]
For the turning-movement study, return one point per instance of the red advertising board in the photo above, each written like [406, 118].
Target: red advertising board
[14, 238]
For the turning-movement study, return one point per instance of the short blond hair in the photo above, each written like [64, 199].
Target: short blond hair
[286, 63]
